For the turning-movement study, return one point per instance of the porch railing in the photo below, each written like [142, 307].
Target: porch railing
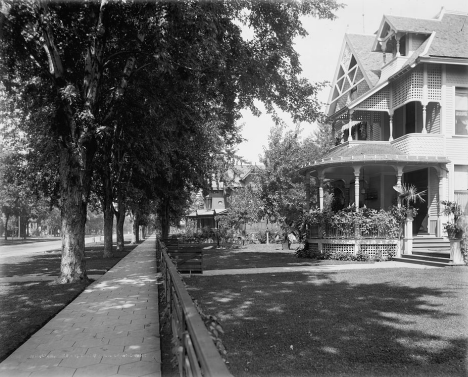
[197, 354]
[350, 231]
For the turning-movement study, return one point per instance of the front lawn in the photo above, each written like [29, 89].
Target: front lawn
[257, 256]
[379, 322]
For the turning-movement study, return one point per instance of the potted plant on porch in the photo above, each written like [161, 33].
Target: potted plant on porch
[454, 230]
[453, 211]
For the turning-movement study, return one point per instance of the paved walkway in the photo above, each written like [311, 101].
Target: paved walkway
[111, 329]
[317, 268]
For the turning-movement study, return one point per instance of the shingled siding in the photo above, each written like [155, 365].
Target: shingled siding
[457, 150]
[421, 144]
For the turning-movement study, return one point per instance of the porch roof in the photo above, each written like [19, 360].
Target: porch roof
[207, 212]
[369, 153]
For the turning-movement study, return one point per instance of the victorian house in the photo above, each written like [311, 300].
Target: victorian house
[399, 109]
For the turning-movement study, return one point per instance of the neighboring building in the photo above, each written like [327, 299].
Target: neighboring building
[399, 104]
[215, 202]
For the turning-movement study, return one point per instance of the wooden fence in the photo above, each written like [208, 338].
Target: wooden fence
[197, 355]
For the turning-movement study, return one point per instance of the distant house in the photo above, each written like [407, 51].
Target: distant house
[215, 203]
[399, 108]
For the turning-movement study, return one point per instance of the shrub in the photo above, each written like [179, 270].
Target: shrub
[262, 236]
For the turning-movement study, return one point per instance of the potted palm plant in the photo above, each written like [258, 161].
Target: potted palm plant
[453, 211]
[407, 195]
[454, 230]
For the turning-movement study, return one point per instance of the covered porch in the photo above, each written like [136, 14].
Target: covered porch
[363, 174]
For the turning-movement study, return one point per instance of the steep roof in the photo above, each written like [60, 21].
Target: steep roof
[370, 62]
[451, 37]
[345, 150]
[412, 25]
[363, 153]
[450, 33]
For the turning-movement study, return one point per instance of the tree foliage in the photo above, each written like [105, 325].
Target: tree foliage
[282, 187]
[152, 88]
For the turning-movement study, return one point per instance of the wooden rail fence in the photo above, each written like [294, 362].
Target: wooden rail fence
[197, 355]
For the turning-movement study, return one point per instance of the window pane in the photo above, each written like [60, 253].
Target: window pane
[461, 111]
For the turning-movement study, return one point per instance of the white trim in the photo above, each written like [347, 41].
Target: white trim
[335, 77]
[429, 42]
[349, 89]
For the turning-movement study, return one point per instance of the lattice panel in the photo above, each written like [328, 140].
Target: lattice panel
[314, 247]
[408, 88]
[401, 90]
[338, 248]
[434, 82]
[375, 132]
[416, 86]
[379, 101]
[384, 250]
[360, 115]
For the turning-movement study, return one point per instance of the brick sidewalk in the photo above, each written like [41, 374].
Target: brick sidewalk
[111, 329]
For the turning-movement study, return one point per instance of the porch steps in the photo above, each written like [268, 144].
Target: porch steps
[431, 244]
[429, 251]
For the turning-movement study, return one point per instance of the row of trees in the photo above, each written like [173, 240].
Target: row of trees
[136, 103]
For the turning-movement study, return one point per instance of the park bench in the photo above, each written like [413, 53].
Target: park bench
[187, 257]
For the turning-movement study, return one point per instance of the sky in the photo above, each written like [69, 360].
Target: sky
[319, 53]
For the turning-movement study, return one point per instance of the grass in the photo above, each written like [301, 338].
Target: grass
[258, 256]
[20, 241]
[26, 306]
[384, 322]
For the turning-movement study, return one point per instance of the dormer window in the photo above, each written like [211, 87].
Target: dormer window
[403, 43]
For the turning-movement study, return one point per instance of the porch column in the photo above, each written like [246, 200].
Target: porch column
[408, 240]
[357, 173]
[391, 127]
[397, 38]
[424, 116]
[399, 174]
[442, 177]
[307, 190]
[424, 98]
[320, 189]
[350, 116]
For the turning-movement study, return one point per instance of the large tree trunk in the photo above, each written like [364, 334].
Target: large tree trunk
[6, 226]
[120, 219]
[74, 189]
[136, 221]
[108, 228]
[164, 218]
[108, 210]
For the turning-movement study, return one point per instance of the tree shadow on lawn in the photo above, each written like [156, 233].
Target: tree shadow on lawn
[49, 263]
[27, 306]
[373, 323]
[248, 257]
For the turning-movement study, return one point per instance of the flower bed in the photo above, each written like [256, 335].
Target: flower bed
[359, 235]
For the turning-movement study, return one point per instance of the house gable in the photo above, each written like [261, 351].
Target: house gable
[357, 71]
